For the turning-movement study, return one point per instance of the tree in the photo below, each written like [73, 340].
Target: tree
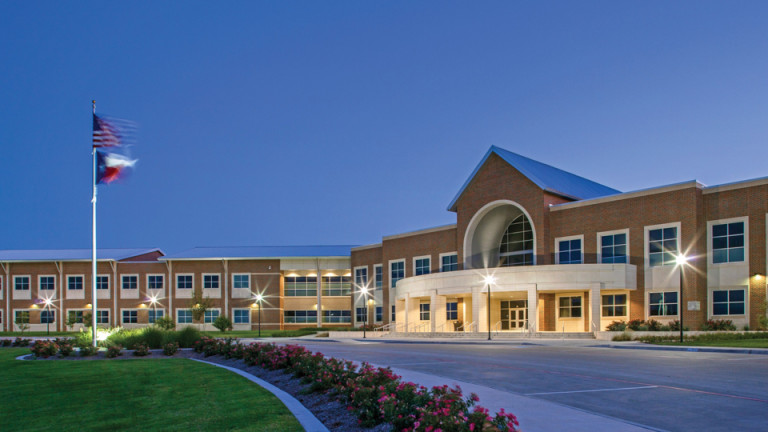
[223, 323]
[22, 322]
[198, 305]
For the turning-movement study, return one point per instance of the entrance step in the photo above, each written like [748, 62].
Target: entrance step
[494, 335]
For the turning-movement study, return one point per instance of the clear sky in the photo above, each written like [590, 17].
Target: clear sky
[338, 122]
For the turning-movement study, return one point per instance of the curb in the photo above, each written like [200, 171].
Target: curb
[308, 421]
[757, 351]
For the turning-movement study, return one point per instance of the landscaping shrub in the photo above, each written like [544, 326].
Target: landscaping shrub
[635, 324]
[6, 342]
[65, 348]
[170, 349]
[153, 337]
[653, 325]
[44, 349]
[718, 325]
[141, 350]
[165, 323]
[223, 323]
[88, 351]
[624, 337]
[114, 351]
[617, 326]
[187, 337]
[21, 342]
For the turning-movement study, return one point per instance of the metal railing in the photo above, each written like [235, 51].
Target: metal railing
[496, 328]
[387, 327]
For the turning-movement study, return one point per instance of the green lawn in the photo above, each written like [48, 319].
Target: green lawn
[133, 394]
[210, 331]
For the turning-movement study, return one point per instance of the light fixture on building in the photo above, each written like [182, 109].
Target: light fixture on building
[757, 276]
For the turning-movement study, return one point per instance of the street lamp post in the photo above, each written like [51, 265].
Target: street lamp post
[364, 295]
[488, 281]
[681, 260]
[48, 317]
[259, 299]
[153, 302]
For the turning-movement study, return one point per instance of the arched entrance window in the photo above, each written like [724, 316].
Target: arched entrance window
[516, 247]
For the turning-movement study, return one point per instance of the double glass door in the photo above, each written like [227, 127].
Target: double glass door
[514, 314]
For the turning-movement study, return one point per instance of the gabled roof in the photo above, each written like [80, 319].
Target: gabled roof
[72, 254]
[548, 178]
[333, 251]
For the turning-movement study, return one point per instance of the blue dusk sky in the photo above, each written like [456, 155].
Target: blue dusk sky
[339, 122]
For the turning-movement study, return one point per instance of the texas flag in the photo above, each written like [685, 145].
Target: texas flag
[112, 166]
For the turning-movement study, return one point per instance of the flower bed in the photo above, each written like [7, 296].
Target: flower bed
[375, 395]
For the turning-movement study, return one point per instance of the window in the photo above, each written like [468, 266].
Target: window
[155, 281]
[663, 303]
[184, 281]
[662, 246]
[75, 282]
[241, 316]
[336, 316]
[378, 276]
[396, 272]
[302, 317]
[361, 277]
[728, 242]
[154, 314]
[424, 311]
[360, 315]
[211, 281]
[421, 266]
[569, 251]
[47, 316]
[75, 317]
[300, 286]
[452, 311]
[449, 263]
[516, 248]
[102, 317]
[613, 249]
[130, 316]
[47, 283]
[21, 317]
[393, 313]
[728, 302]
[184, 316]
[130, 282]
[615, 305]
[211, 315]
[379, 314]
[102, 282]
[21, 283]
[241, 281]
[336, 285]
[570, 307]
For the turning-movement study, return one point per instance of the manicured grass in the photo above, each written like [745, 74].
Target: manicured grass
[133, 394]
[255, 334]
[734, 343]
[35, 333]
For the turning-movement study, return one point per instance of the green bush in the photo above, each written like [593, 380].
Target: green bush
[114, 351]
[170, 348]
[617, 326]
[88, 351]
[141, 350]
[223, 323]
[165, 323]
[626, 336]
[153, 337]
[187, 337]
[718, 325]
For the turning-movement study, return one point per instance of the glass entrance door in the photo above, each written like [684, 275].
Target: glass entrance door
[514, 314]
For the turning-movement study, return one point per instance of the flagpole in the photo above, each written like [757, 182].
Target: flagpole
[93, 262]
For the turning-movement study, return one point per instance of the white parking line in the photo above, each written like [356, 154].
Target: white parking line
[588, 391]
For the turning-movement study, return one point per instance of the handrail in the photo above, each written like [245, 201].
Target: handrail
[497, 327]
[387, 327]
[471, 326]
[399, 325]
[440, 328]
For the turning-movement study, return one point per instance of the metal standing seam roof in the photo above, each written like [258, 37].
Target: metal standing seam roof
[547, 177]
[72, 254]
[324, 251]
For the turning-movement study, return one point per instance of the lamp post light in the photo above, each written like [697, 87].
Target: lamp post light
[680, 261]
[47, 303]
[153, 301]
[259, 298]
[364, 295]
[488, 281]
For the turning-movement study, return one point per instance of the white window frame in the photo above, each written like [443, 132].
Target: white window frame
[379, 266]
[445, 254]
[711, 305]
[646, 249]
[202, 280]
[662, 291]
[599, 245]
[248, 314]
[389, 268]
[614, 294]
[122, 310]
[40, 285]
[569, 238]
[176, 281]
[423, 257]
[138, 286]
[367, 276]
[710, 249]
[29, 283]
[153, 310]
[247, 277]
[192, 319]
[421, 311]
[162, 275]
[211, 310]
[109, 280]
[74, 276]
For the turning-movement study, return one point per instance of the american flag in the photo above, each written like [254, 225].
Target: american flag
[109, 132]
